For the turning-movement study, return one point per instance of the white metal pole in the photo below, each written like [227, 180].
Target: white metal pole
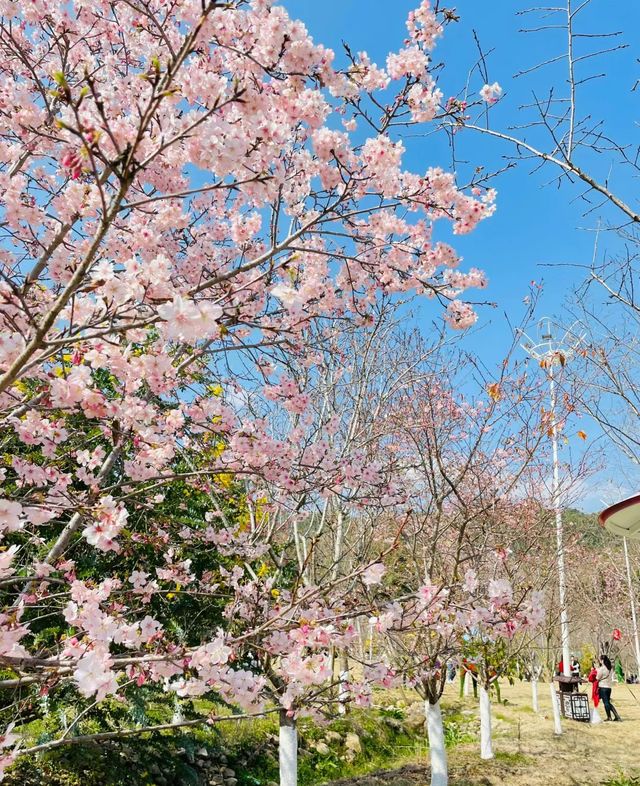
[632, 599]
[555, 490]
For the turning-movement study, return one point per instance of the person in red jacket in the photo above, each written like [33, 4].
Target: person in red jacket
[593, 679]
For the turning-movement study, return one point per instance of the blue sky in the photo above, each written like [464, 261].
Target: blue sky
[539, 231]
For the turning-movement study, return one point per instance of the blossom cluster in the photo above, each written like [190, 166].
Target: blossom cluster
[179, 214]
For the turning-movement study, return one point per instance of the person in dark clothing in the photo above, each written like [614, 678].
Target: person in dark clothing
[575, 667]
[604, 676]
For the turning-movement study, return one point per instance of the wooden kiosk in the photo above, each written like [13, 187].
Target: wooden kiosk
[573, 704]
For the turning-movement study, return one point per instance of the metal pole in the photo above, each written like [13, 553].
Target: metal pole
[634, 618]
[548, 351]
[555, 491]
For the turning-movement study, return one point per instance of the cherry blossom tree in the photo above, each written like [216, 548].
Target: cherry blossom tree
[186, 193]
[468, 463]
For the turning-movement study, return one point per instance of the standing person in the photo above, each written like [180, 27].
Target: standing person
[604, 676]
[575, 667]
[593, 679]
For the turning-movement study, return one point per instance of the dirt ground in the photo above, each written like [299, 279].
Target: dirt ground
[527, 751]
[529, 754]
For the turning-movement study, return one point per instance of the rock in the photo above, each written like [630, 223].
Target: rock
[415, 718]
[228, 773]
[331, 736]
[230, 782]
[352, 743]
[202, 753]
[322, 748]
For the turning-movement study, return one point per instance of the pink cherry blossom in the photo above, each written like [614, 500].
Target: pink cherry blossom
[94, 675]
[373, 574]
[491, 93]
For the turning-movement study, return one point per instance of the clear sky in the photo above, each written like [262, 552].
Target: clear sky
[539, 231]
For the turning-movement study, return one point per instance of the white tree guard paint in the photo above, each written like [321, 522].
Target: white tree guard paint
[556, 710]
[178, 717]
[467, 684]
[534, 695]
[343, 694]
[437, 751]
[288, 749]
[486, 744]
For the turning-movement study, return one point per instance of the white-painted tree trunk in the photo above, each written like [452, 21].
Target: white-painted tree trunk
[437, 751]
[343, 690]
[486, 744]
[343, 695]
[467, 684]
[534, 695]
[178, 716]
[288, 749]
[555, 704]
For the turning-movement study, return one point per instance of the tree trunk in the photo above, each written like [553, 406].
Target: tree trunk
[486, 745]
[288, 750]
[343, 694]
[534, 694]
[437, 751]
[467, 683]
[178, 716]
[556, 710]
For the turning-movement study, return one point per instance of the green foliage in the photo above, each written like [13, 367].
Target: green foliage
[586, 527]
[457, 732]
[382, 736]
[248, 747]
[587, 656]
[392, 712]
[622, 780]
